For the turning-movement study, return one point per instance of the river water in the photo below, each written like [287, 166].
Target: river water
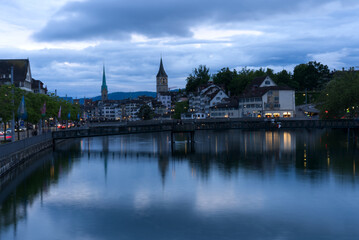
[231, 184]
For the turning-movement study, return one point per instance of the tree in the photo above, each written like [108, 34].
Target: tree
[340, 98]
[224, 77]
[6, 105]
[285, 78]
[145, 112]
[311, 76]
[241, 79]
[199, 76]
[181, 107]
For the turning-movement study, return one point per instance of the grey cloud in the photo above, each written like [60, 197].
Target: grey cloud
[113, 19]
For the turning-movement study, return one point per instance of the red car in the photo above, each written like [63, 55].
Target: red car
[8, 137]
[59, 126]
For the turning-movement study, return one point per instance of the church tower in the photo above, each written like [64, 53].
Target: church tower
[162, 80]
[104, 86]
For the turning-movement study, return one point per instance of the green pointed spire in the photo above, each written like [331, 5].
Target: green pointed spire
[104, 85]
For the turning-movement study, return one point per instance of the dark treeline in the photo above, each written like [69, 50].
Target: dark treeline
[310, 76]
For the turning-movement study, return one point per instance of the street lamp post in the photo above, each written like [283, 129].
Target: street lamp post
[13, 105]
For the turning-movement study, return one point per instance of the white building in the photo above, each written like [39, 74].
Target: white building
[264, 98]
[165, 99]
[207, 97]
[228, 108]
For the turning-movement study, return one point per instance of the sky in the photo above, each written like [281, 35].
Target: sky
[68, 41]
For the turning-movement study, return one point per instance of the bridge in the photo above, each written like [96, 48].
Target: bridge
[190, 126]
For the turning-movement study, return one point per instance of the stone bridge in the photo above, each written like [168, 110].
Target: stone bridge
[190, 126]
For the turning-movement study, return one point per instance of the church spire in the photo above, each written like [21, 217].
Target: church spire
[161, 80]
[104, 86]
[161, 71]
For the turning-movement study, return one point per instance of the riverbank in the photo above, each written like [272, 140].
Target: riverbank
[13, 154]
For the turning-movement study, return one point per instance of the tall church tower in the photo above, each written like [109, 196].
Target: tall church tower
[104, 86]
[162, 80]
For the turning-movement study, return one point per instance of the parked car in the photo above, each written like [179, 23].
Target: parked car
[2, 138]
[61, 126]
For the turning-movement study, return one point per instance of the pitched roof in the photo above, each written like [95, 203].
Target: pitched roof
[161, 71]
[255, 83]
[253, 89]
[260, 91]
[20, 68]
[212, 95]
[228, 103]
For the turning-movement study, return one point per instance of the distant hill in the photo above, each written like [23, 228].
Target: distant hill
[123, 95]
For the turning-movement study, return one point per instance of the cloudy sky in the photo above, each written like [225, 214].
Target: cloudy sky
[67, 41]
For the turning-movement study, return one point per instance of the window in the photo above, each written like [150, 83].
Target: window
[267, 82]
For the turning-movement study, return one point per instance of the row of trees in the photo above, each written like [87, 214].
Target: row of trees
[340, 98]
[309, 76]
[34, 105]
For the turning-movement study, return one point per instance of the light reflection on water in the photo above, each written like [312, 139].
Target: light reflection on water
[229, 185]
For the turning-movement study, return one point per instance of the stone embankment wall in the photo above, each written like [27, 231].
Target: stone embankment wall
[13, 154]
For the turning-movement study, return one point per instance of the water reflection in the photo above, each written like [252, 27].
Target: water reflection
[257, 158]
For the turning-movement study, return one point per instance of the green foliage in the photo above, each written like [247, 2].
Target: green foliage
[285, 78]
[303, 97]
[340, 98]
[181, 107]
[235, 82]
[197, 77]
[34, 103]
[311, 76]
[145, 112]
[6, 105]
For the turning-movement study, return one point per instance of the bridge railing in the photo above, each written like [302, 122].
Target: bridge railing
[10, 148]
[207, 124]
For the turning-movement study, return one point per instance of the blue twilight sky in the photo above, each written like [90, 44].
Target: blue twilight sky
[67, 41]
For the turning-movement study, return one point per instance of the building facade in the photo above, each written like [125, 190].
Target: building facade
[264, 98]
[38, 87]
[21, 73]
[206, 97]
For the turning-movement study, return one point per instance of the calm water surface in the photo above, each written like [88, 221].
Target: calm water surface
[230, 185]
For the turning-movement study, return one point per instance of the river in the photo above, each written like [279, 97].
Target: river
[284, 184]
